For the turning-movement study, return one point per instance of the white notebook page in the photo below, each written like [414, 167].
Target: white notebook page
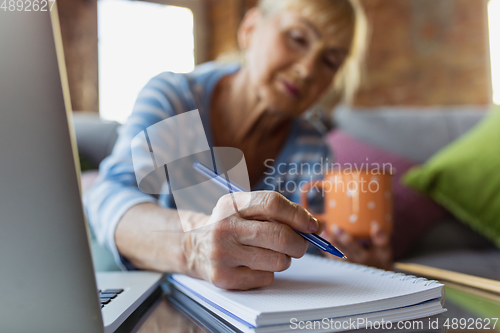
[314, 283]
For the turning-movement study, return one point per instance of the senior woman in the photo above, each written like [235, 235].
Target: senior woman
[296, 52]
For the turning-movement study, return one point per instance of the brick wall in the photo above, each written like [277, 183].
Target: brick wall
[224, 18]
[427, 52]
[422, 52]
[78, 20]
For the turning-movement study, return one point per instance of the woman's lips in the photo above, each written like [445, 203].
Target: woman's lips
[291, 89]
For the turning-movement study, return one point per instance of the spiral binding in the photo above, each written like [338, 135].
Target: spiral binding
[381, 272]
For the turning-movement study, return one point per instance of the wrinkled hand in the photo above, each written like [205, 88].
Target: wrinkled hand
[376, 252]
[242, 249]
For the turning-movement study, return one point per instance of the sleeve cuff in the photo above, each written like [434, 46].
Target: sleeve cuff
[111, 227]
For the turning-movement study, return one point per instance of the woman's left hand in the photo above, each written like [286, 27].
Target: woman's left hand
[376, 253]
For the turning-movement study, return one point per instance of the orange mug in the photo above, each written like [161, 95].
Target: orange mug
[354, 200]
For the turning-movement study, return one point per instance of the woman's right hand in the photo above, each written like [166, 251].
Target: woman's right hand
[241, 249]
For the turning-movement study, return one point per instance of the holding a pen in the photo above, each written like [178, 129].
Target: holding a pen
[226, 184]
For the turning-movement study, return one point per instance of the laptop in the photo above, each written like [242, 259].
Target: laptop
[47, 282]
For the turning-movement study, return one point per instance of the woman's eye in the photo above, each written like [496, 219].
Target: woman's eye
[333, 61]
[298, 39]
[332, 64]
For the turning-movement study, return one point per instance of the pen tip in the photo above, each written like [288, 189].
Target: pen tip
[344, 257]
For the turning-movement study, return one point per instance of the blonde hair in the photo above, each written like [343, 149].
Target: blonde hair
[345, 17]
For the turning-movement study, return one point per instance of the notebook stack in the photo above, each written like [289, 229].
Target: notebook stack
[315, 295]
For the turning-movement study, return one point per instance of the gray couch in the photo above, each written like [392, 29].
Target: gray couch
[417, 134]
[414, 133]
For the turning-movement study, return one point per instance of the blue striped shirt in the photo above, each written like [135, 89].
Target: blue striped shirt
[169, 94]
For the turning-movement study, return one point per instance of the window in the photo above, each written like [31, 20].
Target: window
[494, 31]
[138, 40]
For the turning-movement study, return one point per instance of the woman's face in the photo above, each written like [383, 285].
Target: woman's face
[291, 60]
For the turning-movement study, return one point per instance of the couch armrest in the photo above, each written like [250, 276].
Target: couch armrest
[416, 133]
[95, 137]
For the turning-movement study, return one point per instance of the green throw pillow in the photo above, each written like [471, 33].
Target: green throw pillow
[464, 177]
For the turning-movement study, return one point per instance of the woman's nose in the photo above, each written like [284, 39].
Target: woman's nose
[307, 66]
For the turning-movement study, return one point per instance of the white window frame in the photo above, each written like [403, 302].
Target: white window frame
[200, 26]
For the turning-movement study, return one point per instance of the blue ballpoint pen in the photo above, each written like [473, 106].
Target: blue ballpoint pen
[226, 184]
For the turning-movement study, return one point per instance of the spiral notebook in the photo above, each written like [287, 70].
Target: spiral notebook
[315, 288]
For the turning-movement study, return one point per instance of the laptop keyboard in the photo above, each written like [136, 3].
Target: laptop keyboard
[106, 296]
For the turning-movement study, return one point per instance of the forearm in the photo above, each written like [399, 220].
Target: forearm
[151, 237]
